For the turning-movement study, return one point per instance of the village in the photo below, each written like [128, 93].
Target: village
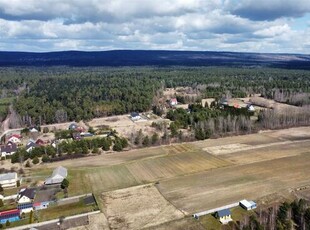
[24, 201]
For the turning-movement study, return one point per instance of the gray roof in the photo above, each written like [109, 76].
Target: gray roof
[224, 212]
[31, 144]
[28, 192]
[73, 126]
[58, 175]
[134, 114]
[62, 171]
[8, 176]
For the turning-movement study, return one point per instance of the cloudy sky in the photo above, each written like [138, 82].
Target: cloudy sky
[223, 25]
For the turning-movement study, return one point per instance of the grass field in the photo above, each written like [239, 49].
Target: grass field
[65, 210]
[191, 178]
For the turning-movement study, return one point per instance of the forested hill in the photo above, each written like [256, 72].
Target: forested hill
[154, 58]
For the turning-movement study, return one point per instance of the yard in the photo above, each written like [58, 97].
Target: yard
[65, 211]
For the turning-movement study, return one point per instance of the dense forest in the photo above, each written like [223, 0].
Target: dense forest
[58, 94]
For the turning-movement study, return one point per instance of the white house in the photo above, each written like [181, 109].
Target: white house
[251, 108]
[173, 101]
[25, 199]
[8, 179]
[59, 174]
[14, 139]
[8, 149]
[33, 130]
[135, 116]
[30, 146]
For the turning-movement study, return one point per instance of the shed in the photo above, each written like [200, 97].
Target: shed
[135, 116]
[247, 205]
[173, 101]
[59, 174]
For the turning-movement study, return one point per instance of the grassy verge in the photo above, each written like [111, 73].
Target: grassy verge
[65, 211]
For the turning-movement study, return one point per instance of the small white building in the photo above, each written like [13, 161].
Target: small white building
[8, 179]
[173, 101]
[247, 205]
[251, 108]
[33, 130]
[59, 174]
[135, 116]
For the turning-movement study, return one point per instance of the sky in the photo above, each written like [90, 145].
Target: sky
[272, 26]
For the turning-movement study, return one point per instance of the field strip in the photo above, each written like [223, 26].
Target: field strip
[232, 148]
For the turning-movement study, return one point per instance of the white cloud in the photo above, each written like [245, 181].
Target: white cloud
[142, 24]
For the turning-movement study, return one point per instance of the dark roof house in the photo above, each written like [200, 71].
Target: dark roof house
[9, 148]
[224, 212]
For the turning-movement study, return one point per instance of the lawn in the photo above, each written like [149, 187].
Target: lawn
[65, 211]
[210, 222]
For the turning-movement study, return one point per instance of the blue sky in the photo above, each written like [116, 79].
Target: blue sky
[220, 25]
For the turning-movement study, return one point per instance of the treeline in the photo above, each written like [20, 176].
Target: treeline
[275, 119]
[61, 94]
[205, 122]
[295, 215]
[66, 149]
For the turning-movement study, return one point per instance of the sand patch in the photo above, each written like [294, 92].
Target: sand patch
[138, 207]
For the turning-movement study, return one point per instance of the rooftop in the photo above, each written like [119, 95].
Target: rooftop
[224, 212]
[8, 176]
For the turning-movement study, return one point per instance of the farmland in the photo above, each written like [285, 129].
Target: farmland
[197, 176]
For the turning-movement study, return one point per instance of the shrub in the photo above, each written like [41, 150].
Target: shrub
[45, 130]
[28, 164]
[35, 160]
[64, 184]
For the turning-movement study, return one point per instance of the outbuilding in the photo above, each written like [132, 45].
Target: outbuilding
[135, 116]
[59, 174]
[247, 205]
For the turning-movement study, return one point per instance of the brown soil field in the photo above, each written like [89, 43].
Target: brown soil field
[125, 126]
[190, 177]
[275, 169]
[137, 208]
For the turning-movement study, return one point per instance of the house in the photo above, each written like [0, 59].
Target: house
[59, 174]
[173, 101]
[73, 126]
[30, 146]
[9, 215]
[15, 138]
[33, 130]
[25, 199]
[250, 108]
[224, 216]
[8, 150]
[247, 205]
[135, 116]
[8, 179]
